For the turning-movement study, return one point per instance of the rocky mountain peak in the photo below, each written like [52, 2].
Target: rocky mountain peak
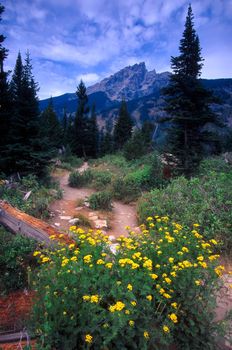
[129, 83]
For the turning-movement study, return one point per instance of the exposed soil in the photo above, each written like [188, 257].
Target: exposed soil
[122, 214]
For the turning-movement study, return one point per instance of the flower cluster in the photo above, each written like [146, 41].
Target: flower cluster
[148, 284]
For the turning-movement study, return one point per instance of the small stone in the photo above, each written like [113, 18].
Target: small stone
[74, 221]
[113, 248]
[94, 218]
[112, 238]
[78, 208]
[57, 224]
[92, 214]
[101, 224]
[65, 217]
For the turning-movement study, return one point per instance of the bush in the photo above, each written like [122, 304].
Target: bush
[77, 179]
[83, 220]
[125, 190]
[216, 164]
[101, 179]
[15, 257]
[100, 200]
[38, 202]
[156, 291]
[206, 199]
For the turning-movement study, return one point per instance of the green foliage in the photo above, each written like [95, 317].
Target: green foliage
[216, 164]
[15, 257]
[101, 179]
[38, 202]
[126, 190]
[207, 199]
[100, 200]
[77, 179]
[156, 292]
[83, 220]
[123, 127]
[69, 161]
[188, 105]
[26, 149]
[140, 142]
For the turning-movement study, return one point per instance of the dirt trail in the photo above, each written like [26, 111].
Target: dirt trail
[122, 214]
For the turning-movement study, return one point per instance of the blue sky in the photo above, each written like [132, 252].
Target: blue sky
[92, 39]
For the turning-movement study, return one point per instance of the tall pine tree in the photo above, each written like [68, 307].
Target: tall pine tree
[5, 103]
[27, 151]
[123, 126]
[80, 140]
[51, 127]
[188, 103]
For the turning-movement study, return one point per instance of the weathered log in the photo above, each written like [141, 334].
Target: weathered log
[18, 222]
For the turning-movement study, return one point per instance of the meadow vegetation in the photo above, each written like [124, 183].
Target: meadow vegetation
[157, 290]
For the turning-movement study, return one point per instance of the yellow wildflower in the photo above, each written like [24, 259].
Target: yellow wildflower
[168, 280]
[171, 260]
[72, 245]
[146, 334]
[87, 258]
[100, 262]
[109, 265]
[94, 299]
[149, 297]
[86, 297]
[131, 323]
[88, 338]
[36, 253]
[133, 303]
[154, 276]
[174, 305]
[119, 306]
[129, 287]
[173, 317]
[166, 329]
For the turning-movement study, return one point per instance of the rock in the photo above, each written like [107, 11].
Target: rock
[57, 224]
[65, 217]
[94, 218]
[27, 195]
[92, 214]
[78, 208]
[112, 238]
[100, 223]
[113, 248]
[74, 221]
[86, 204]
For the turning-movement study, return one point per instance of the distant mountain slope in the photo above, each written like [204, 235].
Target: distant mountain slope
[142, 91]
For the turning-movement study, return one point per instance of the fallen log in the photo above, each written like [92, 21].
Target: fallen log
[19, 222]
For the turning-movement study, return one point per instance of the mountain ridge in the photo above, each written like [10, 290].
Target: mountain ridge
[142, 91]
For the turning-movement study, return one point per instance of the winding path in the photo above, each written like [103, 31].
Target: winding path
[121, 215]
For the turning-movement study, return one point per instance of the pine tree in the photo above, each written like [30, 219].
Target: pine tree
[187, 102]
[27, 151]
[51, 127]
[123, 126]
[81, 122]
[5, 103]
[93, 135]
[106, 140]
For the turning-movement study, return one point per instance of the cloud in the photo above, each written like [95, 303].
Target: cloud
[69, 39]
[88, 78]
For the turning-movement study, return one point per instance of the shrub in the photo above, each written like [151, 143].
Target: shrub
[100, 200]
[206, 199]
[77, 179]
[83, 220]
[157, 290]
[126, 190]
[101, 179]
[15, 257]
